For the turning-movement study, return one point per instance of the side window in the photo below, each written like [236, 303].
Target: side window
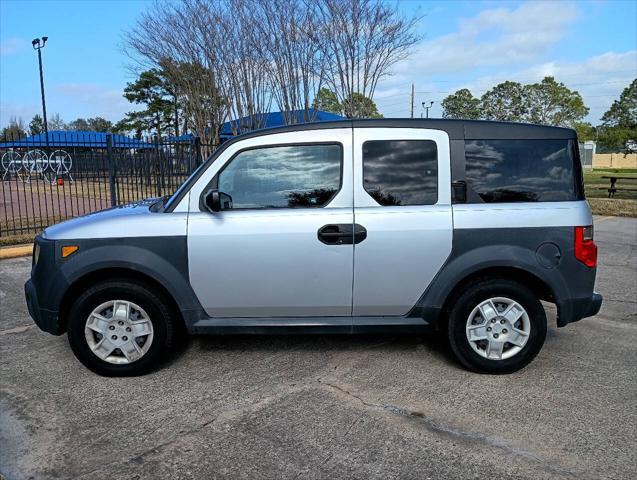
[293, 176]
[401, 172]
[522, 170]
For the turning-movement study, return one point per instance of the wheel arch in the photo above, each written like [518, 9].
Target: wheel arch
[160, 262]
[110, 273]
[538, 286]
[511, 262]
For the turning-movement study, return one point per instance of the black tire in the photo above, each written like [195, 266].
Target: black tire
[143, 295]
[472, 296]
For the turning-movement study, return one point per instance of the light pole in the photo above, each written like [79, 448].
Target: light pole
[426, 108]
[38, 44]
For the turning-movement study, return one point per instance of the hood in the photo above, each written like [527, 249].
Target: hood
[137, 219]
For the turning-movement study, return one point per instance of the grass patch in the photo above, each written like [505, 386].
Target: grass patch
[17, 239]
[616, 207]
[623, 203]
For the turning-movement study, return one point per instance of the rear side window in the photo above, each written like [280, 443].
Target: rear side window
[522, 170]
[401, 172]
[295, 176]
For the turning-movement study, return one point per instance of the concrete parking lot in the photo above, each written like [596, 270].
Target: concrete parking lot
[328, 406]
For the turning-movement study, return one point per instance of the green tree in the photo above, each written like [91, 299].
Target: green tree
[623, 112]
[552, 103]
[149, 90]
[99, 124]
[327, 101]
[36, 125]
[359, 106]
[14, 130]
[79, 125]
[619, 127]
[461, 104]
[585, 131]
[505, 102]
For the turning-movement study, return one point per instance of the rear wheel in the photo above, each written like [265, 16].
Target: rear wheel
[496, 326]
[119, 328]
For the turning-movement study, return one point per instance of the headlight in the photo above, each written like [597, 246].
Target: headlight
[36, 253]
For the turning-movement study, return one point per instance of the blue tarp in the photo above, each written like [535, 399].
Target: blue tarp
[60, 138]
[275, 119]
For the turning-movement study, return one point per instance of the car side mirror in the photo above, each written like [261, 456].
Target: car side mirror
[216, 201]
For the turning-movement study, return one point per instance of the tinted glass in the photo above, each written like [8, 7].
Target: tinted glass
[283, 177]
[521, 170]
[401, 172]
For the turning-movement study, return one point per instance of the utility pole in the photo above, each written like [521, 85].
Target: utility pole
[39, 45]
[412, 100]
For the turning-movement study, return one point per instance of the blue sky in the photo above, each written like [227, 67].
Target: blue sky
[590, 46]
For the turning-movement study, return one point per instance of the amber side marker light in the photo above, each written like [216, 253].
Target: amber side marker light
[69, 250]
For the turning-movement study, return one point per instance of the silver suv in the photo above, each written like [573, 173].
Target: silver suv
[363, 226]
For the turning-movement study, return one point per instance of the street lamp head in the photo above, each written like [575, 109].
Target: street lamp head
[39, 43]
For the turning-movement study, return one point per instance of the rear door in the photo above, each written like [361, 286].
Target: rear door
[402, 197]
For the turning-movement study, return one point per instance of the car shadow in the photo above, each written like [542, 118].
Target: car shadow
[433, 344]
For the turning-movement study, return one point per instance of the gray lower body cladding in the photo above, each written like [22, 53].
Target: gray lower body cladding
[163, 260]
[546, 253]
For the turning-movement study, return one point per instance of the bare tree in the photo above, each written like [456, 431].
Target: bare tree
[288, 32]
[363, 40]
[244, 67]
[235, 58]
[178, 39]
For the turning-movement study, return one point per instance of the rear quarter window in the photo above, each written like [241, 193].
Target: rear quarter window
[522, 171]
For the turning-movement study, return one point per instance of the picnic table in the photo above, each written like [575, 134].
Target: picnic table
[613, 184]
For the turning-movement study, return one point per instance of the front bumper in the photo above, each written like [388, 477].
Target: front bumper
[43, 291]
[46, 320]
[579, 308]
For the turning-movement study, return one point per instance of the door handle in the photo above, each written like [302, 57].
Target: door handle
[342, 234]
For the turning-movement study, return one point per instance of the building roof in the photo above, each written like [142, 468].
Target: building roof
[276, 119]
[66, 139]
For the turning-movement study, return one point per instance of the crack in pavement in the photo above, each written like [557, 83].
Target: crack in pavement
[20, 329]
[223, 414]
[437, 427]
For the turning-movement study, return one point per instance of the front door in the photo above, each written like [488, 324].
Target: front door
[402, 196]
[278, 252]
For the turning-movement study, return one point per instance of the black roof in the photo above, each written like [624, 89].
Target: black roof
[456, 129]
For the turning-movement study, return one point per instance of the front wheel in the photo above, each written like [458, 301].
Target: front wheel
[496, 326]
[119, 328]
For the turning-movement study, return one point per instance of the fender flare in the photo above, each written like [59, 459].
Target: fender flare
[457, 268]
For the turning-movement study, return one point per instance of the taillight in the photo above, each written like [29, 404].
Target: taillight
[585, 248]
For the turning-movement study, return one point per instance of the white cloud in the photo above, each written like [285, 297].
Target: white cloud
[90, 100]
[509, 44]
[494, 37]
[9, 46]
[599, 79]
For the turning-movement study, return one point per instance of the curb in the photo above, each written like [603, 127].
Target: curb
[16, 251]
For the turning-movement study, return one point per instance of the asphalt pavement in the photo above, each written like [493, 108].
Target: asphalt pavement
[330, 406]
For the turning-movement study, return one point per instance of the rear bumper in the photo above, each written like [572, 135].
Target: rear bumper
[579, 308]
